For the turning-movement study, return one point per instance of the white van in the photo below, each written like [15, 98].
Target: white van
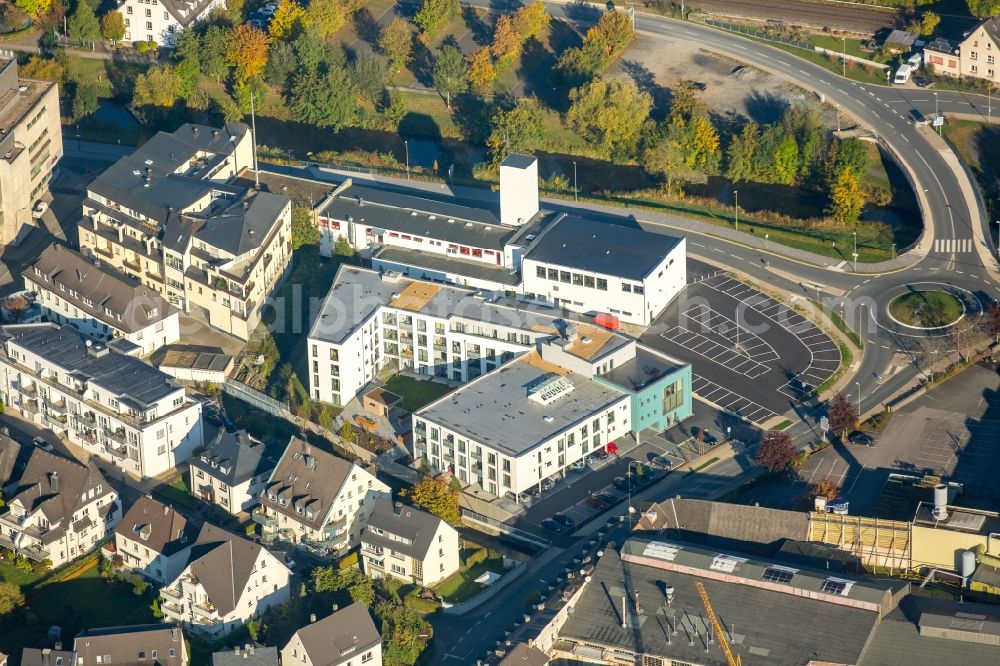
[903, 74]
[915, 61]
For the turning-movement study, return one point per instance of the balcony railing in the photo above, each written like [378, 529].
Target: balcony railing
[171, 593]
[263, 519]
[205, 609]
[26, 389]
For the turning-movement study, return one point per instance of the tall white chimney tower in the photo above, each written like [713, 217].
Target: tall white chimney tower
[518, 189]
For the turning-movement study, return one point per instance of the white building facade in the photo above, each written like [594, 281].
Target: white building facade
[161, 21]
[112, 405]
[408, 544]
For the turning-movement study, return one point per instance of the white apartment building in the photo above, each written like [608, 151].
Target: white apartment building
[587, 266]
[371, 321]
[408, 544]
[155, 540]
[172, 216]
[160, 21]
[54, 508]
[155, 644]
[100, 301]
[228, 581]
[317, 500]
[348, 637]
[231, 472]
[30, 146]
[976, 56]
[109, 403]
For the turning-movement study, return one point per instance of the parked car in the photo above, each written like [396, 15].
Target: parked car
[601, 454]
[534, 491]
[510, 495]
[621, 483]
[553, 526]
[663, 461]
[39, 209]
[578, 465]
[610, 498]
[268, 10]
[698, 85]
[598, 503]
[547, 484]
[524, 498]
[858, 437]
[564, 520]
[42, 444]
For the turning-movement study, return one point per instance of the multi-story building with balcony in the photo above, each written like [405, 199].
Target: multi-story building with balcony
[100, 301]
[228, 581]
[373, 320]
[231, 472]
[317, 500]
[55, 508]
[348, 637]
[30, 146]
[171, 216]
[154, 540]
[531, 419]
[408, 544]
[111, 404]
[161, 21]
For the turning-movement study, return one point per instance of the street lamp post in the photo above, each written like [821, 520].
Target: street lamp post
[844, 40]
[628, 474]
[576, 191]
[855, 253]
[766, 236]
[858, 384]
[998, 238]
[837, 106]
[936, 112]
[406, 144]
[893, 250]
[736, 209]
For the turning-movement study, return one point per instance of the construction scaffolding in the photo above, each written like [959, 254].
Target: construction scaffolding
[880, 545]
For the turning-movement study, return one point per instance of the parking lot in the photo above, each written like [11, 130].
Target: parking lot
[742, 343]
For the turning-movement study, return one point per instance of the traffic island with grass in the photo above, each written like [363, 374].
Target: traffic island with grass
[926, 309]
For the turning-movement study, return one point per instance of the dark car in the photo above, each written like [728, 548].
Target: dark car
[598, 503]
[553, 526]
[621, 483]
[564, 520]
[610, 498]
[601, 454]
[858, 437]
[700, 86]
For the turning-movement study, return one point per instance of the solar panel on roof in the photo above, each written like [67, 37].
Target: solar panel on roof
[777, 575]
[661, 550]
[726, 563]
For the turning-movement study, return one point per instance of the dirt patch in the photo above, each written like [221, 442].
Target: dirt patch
[735, 90]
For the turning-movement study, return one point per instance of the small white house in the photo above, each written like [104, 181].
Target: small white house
[154, 540]
[161, 21]
[231, 471]
[409, 544]
[348, 637]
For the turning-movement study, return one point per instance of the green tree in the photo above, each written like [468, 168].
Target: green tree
[784, 162]
[160, 86]
[246, 90]
[113, 26]
[326, 17]
[347, 432]
[35, 8]
[668, 159]
[342, 248]
[532, 20]
[978, 8]
[520, 129]
[246, 51]
[403, 632]
[481, 71]
[10, 597]
[304, 232]
[506, 46]
[684, 102]
[286, 20]
[436, 496]
[609, 113]
[847, 198]
[396, 42]
[155, 608]
[370, 73]
[578, 65]
[351, 582]
[280, 64]
[85, 100]
[741, 152]
[851, 155]
[450, 74]
[213, 52]
[83, 24]
[613, 33]
[435, 14]
[46, 69]
[324, 99]
[928, 23]
[703, 145]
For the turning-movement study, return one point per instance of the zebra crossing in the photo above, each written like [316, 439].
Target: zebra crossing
[953, 245]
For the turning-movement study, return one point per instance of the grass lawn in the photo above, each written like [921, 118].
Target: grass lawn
[177, 492]
[836, 44]
[416, 392]
[11, 574]
[875, 174]
[929, 309]
[854, 72]
[462, 586]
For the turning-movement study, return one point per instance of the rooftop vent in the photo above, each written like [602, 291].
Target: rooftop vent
[149, 162]
[451, 220]
[551, 389]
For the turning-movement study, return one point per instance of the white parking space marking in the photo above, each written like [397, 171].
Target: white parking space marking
[752, 344]
[713, 351]
[712, 392]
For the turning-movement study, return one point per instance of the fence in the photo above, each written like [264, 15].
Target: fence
[502, 527]
[757, 34]
[256, 398]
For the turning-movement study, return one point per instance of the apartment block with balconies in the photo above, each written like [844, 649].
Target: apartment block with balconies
[228, 581]
[171, 216]
[317, 501]
[110, 403]
[55, 508]
[154, 540]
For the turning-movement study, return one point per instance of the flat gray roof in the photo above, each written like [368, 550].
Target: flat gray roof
[496, 409]
[440, 263]
[764, 627]
[412, 214]
[646, 367]
[587, 244]
[357, 292]
[518, 160]
[124, 376]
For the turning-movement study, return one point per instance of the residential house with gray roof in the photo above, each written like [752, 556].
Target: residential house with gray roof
[44, 657]
[317, 500]
[160, 21]
[231, 471]
[154, 540]
[348, 637]
[56, 509]
[133, 645]
[171, 216]
[227, 581]
[99, 396]
[100, 301]
[247, 655]
[408, 544]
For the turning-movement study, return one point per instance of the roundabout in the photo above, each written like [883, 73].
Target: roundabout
[926, 309]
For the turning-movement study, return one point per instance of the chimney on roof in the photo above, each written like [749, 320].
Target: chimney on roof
[215, 134]
[246, 204]
[312, 617]
[398, 506]
[236, 650]
[195, 130]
